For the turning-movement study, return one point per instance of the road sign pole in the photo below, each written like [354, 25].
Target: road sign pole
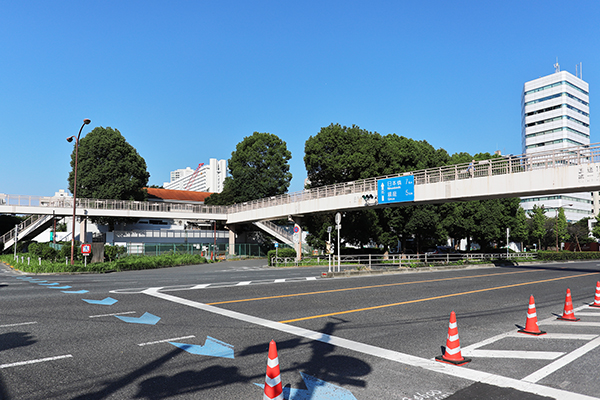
[329, 247]
[338, 221]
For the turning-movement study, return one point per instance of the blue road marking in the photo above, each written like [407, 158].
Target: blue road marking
[212, 347]
[109, 301]
[147, 319]
[316, 390]
[75, 291]
[59, 287]
[37, 280]
[49, 284]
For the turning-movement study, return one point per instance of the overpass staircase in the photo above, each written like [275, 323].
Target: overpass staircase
[276, 231]
[28, 229]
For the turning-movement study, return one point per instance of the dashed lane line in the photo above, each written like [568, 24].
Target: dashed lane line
[214, 285]
[18, 324]
[110, 315]
[167, 340]
[373, 351]
[40, 360]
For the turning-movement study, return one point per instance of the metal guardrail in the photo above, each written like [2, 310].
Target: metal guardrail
[378, 261]
[498, 166]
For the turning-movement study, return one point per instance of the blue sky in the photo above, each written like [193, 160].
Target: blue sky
[185, 81]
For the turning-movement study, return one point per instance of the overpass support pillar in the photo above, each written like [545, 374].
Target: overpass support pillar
[231, 229]
[297, 235]
[82, 229]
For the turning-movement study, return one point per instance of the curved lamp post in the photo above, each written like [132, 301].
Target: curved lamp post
[70, 139]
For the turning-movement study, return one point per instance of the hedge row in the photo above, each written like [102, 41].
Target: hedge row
[123, 264]
[568, 255]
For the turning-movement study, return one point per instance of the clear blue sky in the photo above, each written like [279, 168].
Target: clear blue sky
[185, 81]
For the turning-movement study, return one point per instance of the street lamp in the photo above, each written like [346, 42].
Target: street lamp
[70, 139]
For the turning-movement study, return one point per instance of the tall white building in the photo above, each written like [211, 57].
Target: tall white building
[208, 178]
[554, 115]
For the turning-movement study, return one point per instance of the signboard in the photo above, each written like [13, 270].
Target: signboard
[86, 249]
[395, 190]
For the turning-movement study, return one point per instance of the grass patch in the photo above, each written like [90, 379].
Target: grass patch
[128, 263]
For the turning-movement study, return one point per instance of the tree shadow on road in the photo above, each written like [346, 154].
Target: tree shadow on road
[13, 340]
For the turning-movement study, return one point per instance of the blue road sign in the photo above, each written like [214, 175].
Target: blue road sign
[212, 347]
[147, 319]
[109, 301]
[396, 190]
[316, 389]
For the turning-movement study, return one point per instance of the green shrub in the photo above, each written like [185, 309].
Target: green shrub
[285, 252]
[43, 251]
[113, 252]
[568, 255]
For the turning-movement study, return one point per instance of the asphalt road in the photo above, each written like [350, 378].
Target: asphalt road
[202, 332]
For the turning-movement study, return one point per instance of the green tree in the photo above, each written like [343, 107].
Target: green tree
[596, 228]
[538, 221]
[580, 232]
[561, 233]
[108, 167]
[258, 168]
[519, 231]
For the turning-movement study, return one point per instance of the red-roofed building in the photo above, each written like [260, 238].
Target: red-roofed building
[167, 195]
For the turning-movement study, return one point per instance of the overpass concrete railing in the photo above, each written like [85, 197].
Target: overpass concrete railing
[512, 164]
[46, 205]
[485, 179]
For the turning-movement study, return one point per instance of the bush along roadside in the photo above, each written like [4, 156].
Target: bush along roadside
[568, 255]
[285, 252]
[31, 264]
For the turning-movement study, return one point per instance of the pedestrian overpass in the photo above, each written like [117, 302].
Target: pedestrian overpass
[567, 170]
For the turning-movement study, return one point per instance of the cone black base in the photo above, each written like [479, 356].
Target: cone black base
[593, 305]
[453, 362]
[568, 319]
[532, 333]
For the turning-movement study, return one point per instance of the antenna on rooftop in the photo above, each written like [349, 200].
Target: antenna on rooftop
[556, 66]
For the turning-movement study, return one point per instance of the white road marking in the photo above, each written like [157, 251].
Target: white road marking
[588, 314]
[561, 362]
[244, 283]
[373, 351]
[202, 286]
[569, 323]
[279, 280]
[110, 315]
[17, 364]
[167, 340]
[527, 355]
[19, 324]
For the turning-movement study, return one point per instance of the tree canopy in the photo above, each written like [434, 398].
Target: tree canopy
[108, 167]
[258, 168]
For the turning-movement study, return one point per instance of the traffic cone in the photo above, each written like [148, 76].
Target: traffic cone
[531, 327]
[273, 389]
[568, 313]
[597, 296]
[452, 354]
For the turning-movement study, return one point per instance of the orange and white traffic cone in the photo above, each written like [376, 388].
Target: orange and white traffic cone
[568, 313]
[596, 302]
[452, 353]
[273, 389]
[531, 326]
